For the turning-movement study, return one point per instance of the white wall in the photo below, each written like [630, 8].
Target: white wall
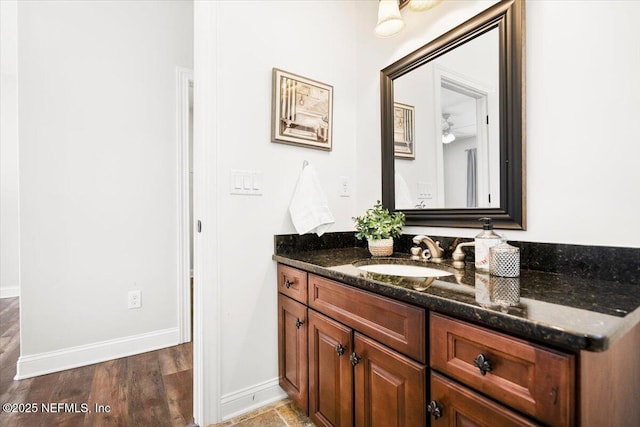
[314, 39]
[582, 101]
[9, 193]
[98, 176]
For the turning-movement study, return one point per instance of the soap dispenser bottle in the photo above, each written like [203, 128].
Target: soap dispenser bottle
[485, 241]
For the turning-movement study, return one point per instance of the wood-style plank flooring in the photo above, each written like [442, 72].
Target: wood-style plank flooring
[149, 390]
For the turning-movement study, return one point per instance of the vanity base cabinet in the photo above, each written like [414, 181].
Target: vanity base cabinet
[389, 387]
[293, 363]
[534, 380]
[477, 377]
[455, 405]
[348, 357]
[330, 372]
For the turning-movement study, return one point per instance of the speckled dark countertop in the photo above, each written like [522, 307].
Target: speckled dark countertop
[559, 310]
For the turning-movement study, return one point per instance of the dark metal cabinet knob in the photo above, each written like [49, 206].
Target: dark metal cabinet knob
[299, 323]
[482, 363]
[288, 283]
[355, 359]
[340, 349]
[434, 409]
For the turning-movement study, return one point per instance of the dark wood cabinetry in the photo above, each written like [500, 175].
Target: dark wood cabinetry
[350, 357]
[534, 380]
[455, 405]
[364, 354]
[293, 362]
[389, 387]
[330, 372]
[292, 283]
[400, 326]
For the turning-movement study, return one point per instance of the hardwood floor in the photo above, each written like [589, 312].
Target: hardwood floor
[149, 390]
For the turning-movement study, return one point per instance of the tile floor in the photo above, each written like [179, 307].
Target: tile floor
[279, 414]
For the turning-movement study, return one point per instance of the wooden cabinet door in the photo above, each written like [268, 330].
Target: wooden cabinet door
[454, 405]
[389, 387]
[293, 363]
[330, 372]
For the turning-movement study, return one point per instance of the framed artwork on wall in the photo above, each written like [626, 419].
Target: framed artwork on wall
[403, 131]
[302, 111]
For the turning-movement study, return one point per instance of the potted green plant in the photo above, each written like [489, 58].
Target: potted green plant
[379, 227]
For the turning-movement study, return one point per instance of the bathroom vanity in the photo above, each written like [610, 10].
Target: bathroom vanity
[359, 348]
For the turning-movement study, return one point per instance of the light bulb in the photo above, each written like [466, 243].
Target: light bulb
[448, 138]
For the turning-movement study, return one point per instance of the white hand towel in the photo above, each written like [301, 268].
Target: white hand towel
[309, 208]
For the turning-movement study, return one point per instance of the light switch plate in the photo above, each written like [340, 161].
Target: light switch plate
[247, 183]
[345, 187]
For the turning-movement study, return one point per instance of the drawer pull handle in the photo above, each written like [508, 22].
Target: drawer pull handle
[299, 323]
[355, 359]
[481, 362]
[340, 349]
[288, 283]
[434, 409]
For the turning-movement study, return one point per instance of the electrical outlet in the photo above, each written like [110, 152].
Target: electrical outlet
[135, 299]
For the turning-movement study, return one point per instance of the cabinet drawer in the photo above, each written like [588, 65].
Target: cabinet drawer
[293, 283]
[398, 325]
[456, 405]
[532, 379]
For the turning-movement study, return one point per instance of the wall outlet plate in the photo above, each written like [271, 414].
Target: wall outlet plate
[134, 299]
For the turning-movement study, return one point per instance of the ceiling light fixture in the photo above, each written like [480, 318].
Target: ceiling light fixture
[389, 19]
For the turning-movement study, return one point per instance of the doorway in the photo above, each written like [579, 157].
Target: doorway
[468, 148]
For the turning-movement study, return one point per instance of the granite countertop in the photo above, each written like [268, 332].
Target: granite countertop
[558, 310]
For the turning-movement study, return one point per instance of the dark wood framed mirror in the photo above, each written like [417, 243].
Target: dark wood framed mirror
[499, 193]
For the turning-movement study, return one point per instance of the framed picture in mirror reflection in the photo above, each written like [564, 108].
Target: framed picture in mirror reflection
[403, 131]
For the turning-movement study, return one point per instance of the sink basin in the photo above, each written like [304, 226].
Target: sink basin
[404, 270]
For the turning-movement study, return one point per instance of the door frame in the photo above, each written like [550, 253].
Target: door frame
[184, 80]
[207, 364]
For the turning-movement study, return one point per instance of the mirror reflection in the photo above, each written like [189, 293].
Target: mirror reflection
[447, 129]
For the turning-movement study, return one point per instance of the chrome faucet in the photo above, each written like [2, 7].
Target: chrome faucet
[434, 247]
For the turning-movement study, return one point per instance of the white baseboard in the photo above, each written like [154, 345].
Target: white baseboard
[250, 398]
[74, 357]
[10, 292]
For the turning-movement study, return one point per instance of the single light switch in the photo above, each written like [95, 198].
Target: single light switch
[257, 182]
[237, 181]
